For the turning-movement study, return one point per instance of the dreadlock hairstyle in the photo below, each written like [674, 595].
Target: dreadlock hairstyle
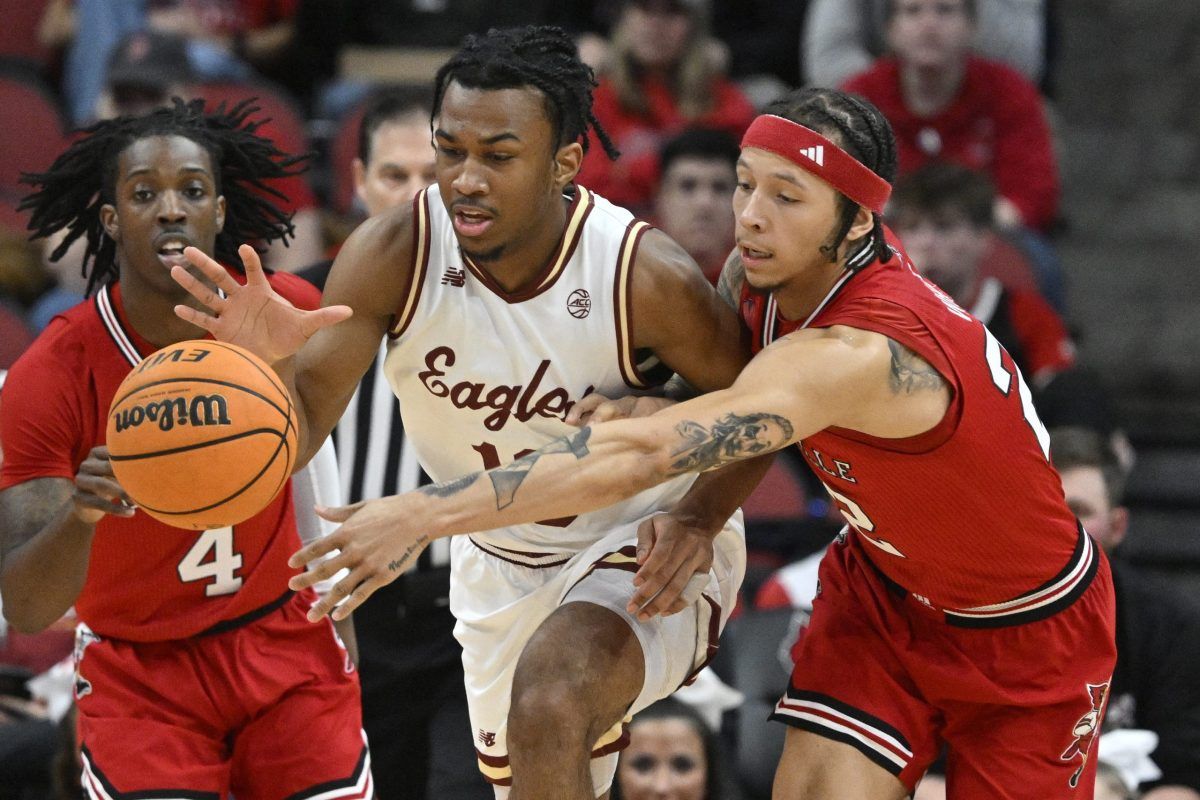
[861, 130]
[83, 179]
[542, 56]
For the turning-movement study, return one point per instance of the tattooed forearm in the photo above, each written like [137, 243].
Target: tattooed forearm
[506, 480]
[732, 438]
[416, 547]
[450, 487]
[910, 373]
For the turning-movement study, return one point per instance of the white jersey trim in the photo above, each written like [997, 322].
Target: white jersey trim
[420, 264]
[116, 331]
[623, 293]
[577, 215]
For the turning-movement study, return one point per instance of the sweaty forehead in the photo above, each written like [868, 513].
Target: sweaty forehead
[168, 154]
[486, 113]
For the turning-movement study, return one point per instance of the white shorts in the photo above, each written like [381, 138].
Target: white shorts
[500, 597]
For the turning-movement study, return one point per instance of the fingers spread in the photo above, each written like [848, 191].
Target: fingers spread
[196, 317]
[321, 547]
[314, 321]
[338, 513]
[253, 264]
[208, 267]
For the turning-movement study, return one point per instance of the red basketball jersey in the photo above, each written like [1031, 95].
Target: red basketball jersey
[969, 516]
[146, 581]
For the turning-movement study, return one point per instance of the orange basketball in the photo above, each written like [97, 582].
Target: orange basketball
[202, 434]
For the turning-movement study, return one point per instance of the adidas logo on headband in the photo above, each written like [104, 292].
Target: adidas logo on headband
[816, 154]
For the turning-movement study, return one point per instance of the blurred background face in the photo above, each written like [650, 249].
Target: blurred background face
[1087, 497]
[946, 247]
[930, 34]
[664, 761]
[657, 31]
[401, 164]
[694, 206]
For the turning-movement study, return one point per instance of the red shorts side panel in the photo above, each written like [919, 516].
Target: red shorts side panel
[880, 672]
[267, 710]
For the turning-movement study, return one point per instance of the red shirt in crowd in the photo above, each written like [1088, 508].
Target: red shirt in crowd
[996, 125]
[632, 179]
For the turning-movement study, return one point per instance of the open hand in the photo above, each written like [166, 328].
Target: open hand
[674, 556]
[376, 543]
[253, 316]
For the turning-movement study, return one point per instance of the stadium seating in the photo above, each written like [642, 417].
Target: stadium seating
[30, 139]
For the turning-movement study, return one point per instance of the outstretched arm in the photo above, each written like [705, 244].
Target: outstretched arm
[320, 355]
[804, 383]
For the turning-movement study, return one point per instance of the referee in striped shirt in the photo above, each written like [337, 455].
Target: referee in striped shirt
[414, 703]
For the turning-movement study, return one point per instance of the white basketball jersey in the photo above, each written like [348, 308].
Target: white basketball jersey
[485, 376]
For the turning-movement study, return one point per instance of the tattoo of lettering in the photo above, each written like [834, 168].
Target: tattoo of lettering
[449, 487]
[732, 438]
[507, 480]
[910, 373]
[416, 547]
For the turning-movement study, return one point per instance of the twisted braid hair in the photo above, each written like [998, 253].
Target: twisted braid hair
[541, 56]
[83, 178]
[861, 130]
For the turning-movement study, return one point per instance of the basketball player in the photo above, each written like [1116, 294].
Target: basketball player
[405, 632]
[963, 603]
[507, 298]
[195, 667]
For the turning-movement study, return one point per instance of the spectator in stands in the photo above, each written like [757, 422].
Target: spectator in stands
[946, 104]
[225, 38]
[661, 78]
[405, 630]
[673, 755]
[146, 70]
[943, 212]
[843, 37]
[699, 173]
[1158, 634]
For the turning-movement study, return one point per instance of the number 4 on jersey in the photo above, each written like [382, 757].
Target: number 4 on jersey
[222, 566]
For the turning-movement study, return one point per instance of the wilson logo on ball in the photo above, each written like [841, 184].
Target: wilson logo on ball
[204, 409]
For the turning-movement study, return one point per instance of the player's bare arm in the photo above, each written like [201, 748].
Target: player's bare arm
[804, 383]
[46, 527]
[678, 315]
[370, 275]
[731, 281]
[322, 354]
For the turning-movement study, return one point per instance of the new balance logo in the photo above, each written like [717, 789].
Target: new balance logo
[454, 277]
[816, 154]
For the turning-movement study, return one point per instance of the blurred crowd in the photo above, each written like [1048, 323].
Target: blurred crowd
[968, 88]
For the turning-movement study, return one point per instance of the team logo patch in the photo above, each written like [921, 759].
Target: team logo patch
[579, 303]
[1086, 730]
[487, 738]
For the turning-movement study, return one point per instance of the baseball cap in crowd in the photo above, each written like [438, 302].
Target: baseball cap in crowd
[150, 61]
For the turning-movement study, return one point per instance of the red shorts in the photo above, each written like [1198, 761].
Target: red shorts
[1018, 704]
[267, 710]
